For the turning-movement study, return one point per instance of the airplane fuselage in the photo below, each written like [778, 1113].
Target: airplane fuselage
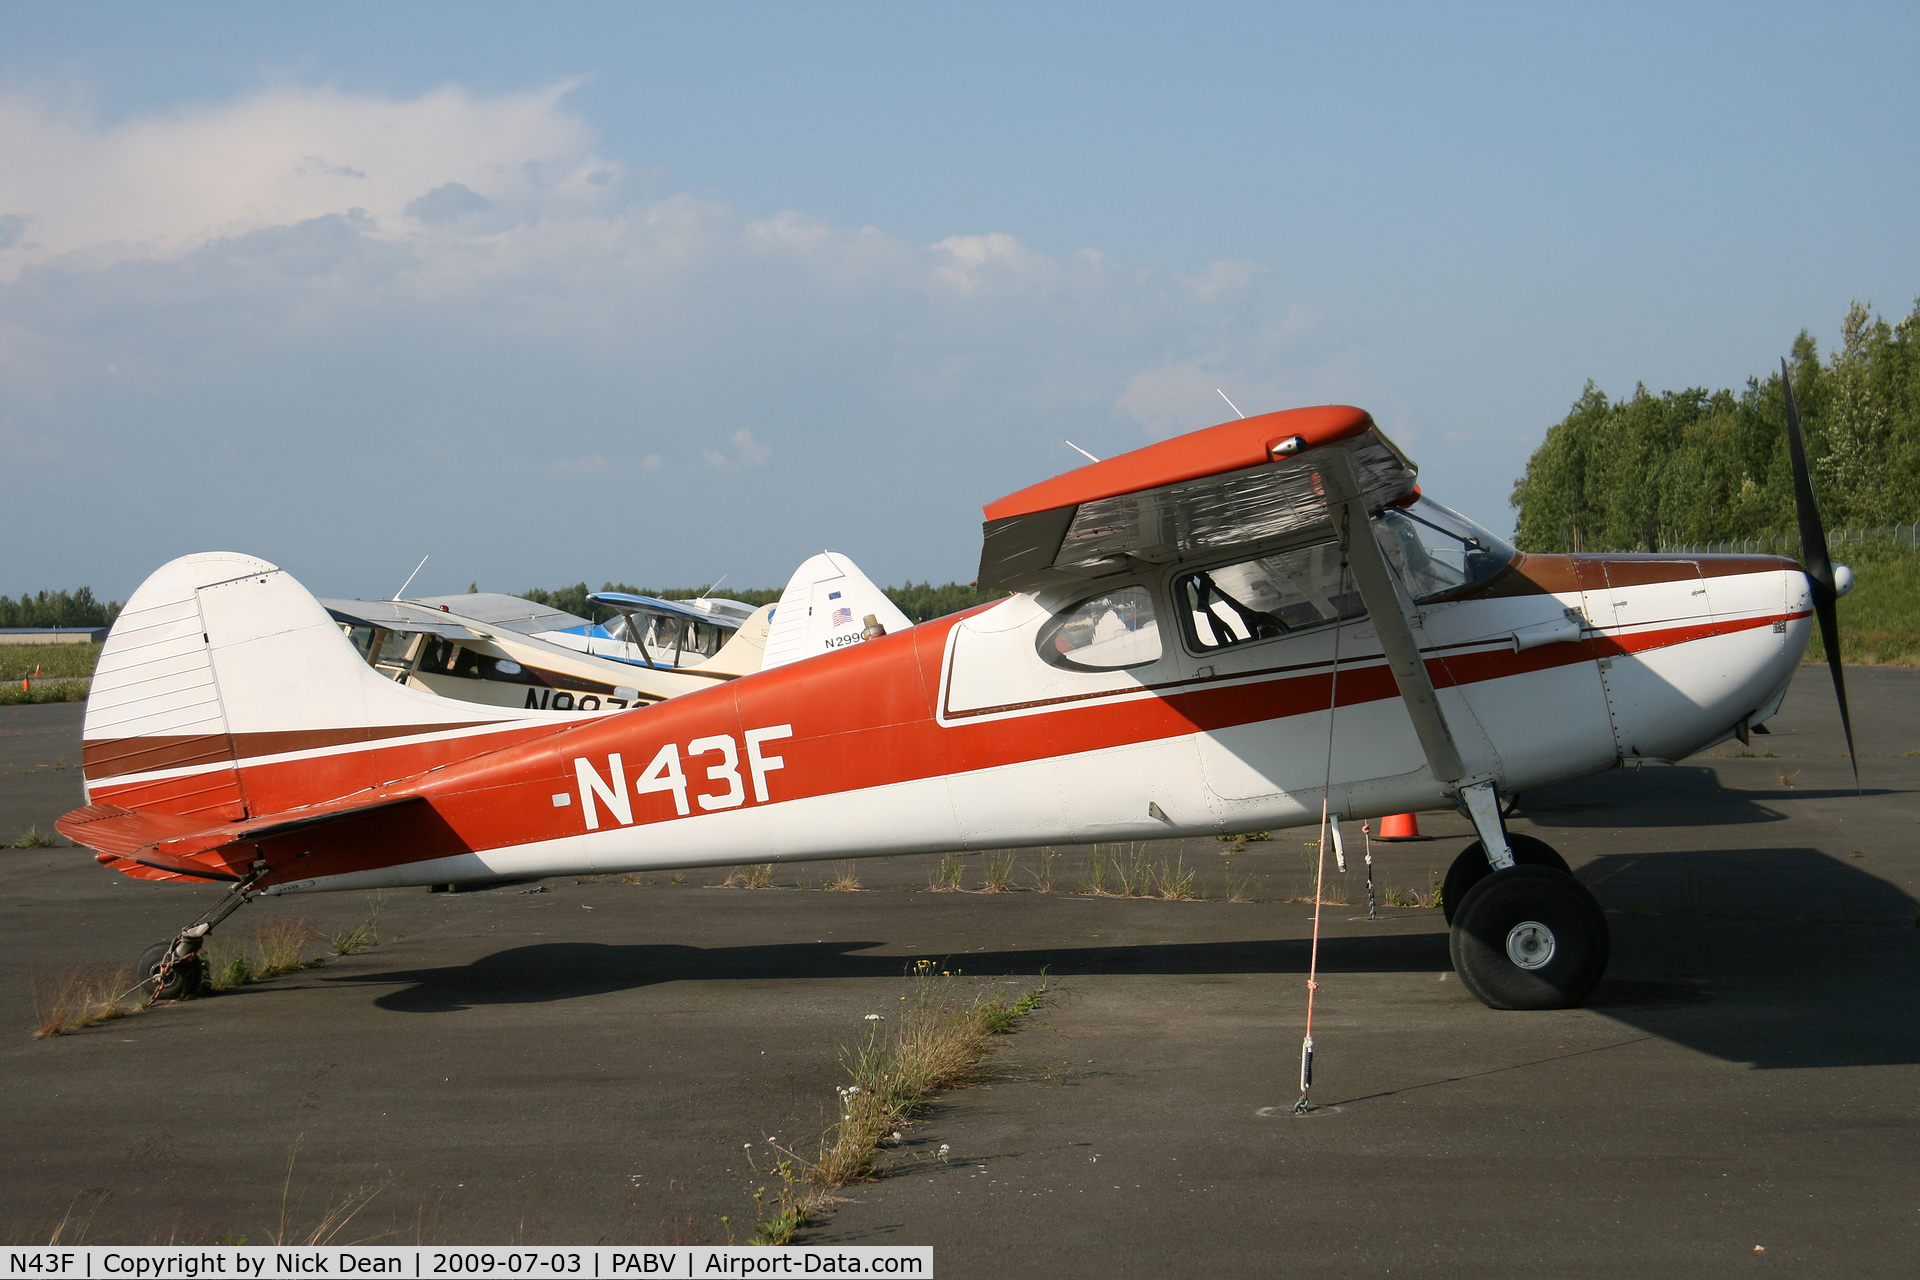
[956, 734]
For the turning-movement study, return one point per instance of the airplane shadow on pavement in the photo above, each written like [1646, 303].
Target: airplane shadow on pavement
[1682, 795]
[566, 970]
[1778, 958]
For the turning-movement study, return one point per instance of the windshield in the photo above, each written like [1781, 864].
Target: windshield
[1435, 550]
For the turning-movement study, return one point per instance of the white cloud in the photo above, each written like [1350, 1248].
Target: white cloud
[313, 275]
[747, 452]
[162, 184]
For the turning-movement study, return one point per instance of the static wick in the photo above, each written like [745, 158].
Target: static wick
[1230, 404]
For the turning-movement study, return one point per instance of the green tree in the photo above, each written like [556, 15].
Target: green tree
[1698, 466]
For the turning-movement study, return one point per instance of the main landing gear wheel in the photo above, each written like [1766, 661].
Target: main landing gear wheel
[185, 977]
[1529, 937]
[1471, 867]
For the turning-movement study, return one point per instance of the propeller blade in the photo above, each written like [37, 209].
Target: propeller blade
[1813, 550]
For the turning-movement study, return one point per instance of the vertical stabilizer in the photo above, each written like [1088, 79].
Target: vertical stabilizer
[825, 607]
[220, 662]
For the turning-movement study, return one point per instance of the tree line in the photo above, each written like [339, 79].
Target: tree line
[1701, 466]
[921, 602]
[57, 609]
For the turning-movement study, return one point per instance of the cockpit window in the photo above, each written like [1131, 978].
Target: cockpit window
[1103, 633]
[1260, 599]
[1435, 550]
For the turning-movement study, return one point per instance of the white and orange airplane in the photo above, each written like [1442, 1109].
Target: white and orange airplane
[1218, 633]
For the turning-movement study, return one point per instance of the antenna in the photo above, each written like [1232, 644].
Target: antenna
[1082, 452]
[716, 585]
[410, 577]
[1230, 404]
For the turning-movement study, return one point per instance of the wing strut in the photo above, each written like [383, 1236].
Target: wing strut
[1388, 612]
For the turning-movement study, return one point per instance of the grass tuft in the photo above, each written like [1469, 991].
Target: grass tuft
[1398, 897]
[367, 932]
[758, 875]
[1043, 878]
[845, 878]
[1175, 883]
[999, 873]
[946, 877]
[935, 1042]
[83, 997]
[333, 1219]
[273, 948]
[51, 691]
[34, 838]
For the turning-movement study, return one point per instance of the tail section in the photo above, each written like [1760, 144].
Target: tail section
[828, 604]
[745, 652]
[225, 691]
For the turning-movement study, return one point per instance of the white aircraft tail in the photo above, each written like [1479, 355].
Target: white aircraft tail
[828, 604]
[745, 650]
[221, 658]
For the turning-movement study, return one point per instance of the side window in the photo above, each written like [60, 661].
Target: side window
[1103, 633]
[1260, 599]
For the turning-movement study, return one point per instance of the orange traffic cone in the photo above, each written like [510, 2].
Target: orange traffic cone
[1399, 826]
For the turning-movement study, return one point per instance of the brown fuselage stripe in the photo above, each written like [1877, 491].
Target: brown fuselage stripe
[113, 757]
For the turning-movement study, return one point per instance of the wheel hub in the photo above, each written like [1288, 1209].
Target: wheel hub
[1530, 944]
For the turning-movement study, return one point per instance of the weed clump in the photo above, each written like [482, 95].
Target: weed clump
[272, 949]
[999, 872]
[84, 996]
[1397, 897]
[936, 1041]
[946, 877]
[34, 838]
[367, 932]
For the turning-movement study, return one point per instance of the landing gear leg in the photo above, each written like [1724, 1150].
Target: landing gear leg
[175, 969]
[1472, 866]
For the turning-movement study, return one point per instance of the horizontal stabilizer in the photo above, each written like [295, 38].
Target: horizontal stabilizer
[267, 830]
[188, 846]
[134, 836]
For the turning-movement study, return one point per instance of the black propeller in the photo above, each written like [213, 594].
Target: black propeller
[1813, 550]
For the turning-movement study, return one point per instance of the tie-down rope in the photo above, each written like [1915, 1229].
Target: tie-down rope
[1300, 1108]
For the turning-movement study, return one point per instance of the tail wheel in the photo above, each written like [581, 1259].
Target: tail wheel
[183, 978]
[1529, 938]
[1471, 867]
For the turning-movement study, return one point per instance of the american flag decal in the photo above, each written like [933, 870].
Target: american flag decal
[843, 617]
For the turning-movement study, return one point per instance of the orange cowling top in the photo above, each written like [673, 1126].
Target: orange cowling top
[1230, 446]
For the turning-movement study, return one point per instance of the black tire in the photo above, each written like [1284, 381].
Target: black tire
[1471, 867]
[186, 978]
[1529, 938]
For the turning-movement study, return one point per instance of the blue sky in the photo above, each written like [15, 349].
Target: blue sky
[659, 293]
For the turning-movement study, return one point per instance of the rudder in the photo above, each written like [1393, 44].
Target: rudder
[220, 661]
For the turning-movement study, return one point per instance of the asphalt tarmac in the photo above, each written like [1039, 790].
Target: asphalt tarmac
[600, 1061]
